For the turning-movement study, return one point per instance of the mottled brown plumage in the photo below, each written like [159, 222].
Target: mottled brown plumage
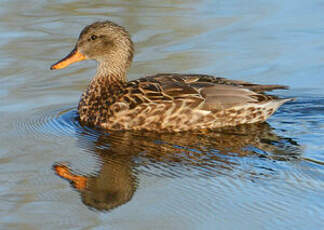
[163, 102]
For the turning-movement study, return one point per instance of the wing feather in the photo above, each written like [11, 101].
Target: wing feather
[200, 91]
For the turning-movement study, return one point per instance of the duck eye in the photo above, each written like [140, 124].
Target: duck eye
[93, 37]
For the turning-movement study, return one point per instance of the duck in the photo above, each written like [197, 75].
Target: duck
[164, 102]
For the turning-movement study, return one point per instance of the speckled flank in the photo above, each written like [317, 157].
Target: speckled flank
[171, 103]
[163, 102]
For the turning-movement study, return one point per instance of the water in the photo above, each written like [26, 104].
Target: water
[265, 176]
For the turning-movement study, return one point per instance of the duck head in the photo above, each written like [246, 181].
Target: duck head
[106, 42]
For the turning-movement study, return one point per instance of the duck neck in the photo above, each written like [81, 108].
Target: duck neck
[107, 81]
[110, 74]
[102, 92]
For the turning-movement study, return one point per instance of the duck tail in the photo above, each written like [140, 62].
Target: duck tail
[263, 88]
[284, 100]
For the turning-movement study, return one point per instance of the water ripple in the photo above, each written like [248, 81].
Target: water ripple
[245, 152]
[231, 160]
[61, 121]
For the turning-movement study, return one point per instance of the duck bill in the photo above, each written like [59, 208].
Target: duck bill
[74, 56]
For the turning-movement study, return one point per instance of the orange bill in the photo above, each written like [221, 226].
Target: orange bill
[74, 56]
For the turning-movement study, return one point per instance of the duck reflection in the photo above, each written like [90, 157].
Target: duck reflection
[125, 154]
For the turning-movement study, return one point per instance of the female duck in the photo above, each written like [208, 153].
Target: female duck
[163, 102]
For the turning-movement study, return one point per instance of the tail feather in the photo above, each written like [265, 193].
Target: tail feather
[269, 108]
[263, 88]
[284, 100]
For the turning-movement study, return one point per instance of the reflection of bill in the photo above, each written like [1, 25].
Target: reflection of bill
[78, 182]
[112, 187]
[123, 153]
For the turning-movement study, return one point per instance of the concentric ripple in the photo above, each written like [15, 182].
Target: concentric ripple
[234, 157]
[61, 121]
